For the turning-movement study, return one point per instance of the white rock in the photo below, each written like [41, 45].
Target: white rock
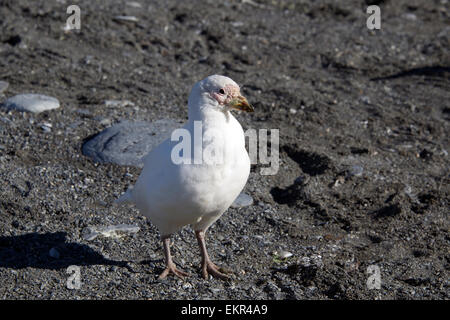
[134, 4]
[243, 200]
[126, 18]
[47, 127]
[285, 254]
[90, 233]
[31, 102]
[118, 103]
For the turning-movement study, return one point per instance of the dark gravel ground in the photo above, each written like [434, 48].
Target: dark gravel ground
[345, 99]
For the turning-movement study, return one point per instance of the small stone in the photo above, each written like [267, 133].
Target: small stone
[75, 124]
[88, 59]
[54, 253]
[134, 4]
[365, 99]
[444, 32]
[313, 260]
[105, 122]
[243, 200]
[116, 231]
[410, 16]
[118, 103]
[285, 254]
[126, 18]
[47, 127]
[355, 170]
[271, 287]
[3, 86]
[85, 113]
[215, 290]
[301, 180]
[187, 285]
[32, 102]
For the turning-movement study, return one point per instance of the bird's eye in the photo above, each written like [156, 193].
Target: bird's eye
[221, 91]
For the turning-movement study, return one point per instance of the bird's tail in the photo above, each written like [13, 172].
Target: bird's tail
[125, 197]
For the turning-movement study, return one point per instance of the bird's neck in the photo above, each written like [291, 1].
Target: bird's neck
[208, 113]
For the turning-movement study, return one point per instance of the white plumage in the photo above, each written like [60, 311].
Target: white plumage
[175, 195]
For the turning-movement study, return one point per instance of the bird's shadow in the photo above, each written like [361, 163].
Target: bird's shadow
[33, 250]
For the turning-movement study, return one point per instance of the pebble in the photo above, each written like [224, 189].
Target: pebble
[134, 4]
[126, 143]
[410, 16]
[444, 32]
[243, 200]
[118, 103]
[271, 287]
[46, 127]
[313, 260]
[32, 102]
[90, 233]
[365, 99]
[285, 254]
[237, 24]
[84, 112]
[54, 253]
[215, 290]
[75, 124]
[88, 59]
[3, 86]
[301, 180]
[105, 122]
[356, 171]
[187, 285]
[409, 192]
[126, 18]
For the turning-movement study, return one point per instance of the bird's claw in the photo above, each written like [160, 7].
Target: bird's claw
[172, 269]
[210, 268]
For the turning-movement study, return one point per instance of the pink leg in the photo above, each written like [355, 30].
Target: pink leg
[170, 266]
[208, 267]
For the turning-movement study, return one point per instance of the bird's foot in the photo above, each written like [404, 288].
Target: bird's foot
[209, 267]
[172, 269]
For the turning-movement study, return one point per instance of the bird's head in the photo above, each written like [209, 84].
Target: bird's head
[220, 93]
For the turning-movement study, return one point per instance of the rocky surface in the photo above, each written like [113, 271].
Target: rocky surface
[364, 168]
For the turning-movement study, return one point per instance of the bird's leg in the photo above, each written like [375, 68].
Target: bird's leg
[208, 267]
[170, 266]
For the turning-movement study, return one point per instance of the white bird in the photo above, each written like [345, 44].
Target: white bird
[196, 192]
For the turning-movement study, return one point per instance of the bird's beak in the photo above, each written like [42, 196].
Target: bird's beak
[240, 103]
